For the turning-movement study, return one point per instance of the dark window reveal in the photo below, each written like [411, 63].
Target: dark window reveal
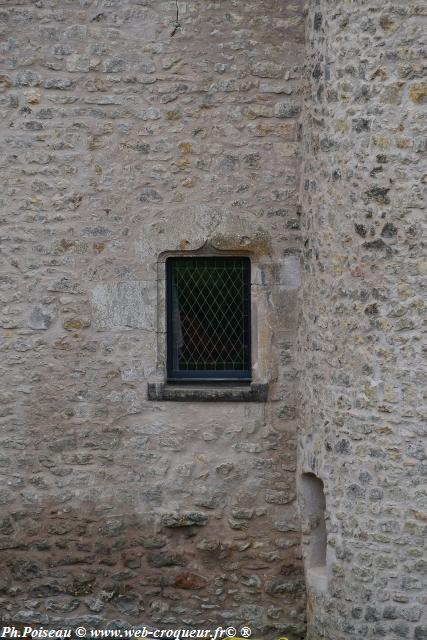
[208, 318]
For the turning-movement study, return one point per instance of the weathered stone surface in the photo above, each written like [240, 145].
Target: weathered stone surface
[27, 78]
[77, 63]
[287, 109]
[189, 580]
[26, 569]
[6, 526]
[360, 367]
[279, 497]
[267, 69]
[30, 616]
[174, 520]
[251, 393]
[167, 559]
[40, 318]
[123, 304]
[62, 606]
[123, 145]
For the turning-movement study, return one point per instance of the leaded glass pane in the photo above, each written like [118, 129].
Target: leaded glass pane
[208, 317]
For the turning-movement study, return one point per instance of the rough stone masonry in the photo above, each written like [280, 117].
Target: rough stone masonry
[259, 128]
[362, 391]
[121, 143]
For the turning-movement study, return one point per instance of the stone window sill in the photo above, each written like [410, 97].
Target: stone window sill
[253, 392]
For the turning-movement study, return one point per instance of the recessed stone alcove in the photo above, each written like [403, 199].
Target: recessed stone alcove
[313, 505]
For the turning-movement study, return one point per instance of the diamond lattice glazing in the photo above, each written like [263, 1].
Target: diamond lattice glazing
[209, 318]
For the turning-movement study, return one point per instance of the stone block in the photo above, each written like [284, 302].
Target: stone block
[124, 305]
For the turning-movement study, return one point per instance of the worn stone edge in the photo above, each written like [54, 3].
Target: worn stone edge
[255, 392]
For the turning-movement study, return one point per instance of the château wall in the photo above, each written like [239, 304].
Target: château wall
[363, 378]
[121, 144]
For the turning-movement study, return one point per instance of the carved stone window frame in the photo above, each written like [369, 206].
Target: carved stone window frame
[261, 336]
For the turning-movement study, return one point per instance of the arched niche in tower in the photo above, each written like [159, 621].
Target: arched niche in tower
[315, 535]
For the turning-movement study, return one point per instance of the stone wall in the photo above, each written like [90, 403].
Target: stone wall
[121, 144]
[363, 380]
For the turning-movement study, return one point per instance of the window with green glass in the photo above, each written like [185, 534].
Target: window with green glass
[208, 318]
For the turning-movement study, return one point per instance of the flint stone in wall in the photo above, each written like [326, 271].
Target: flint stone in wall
[150, 114]
[153, 542]
[26, 569]
[279, 497]
[77, 63]
[173, 520]
[283, 587]
[31, 616]
[275, 87]
[95, 604]
[287, 109]
[210, 500]
[118, 625]
[9, 543]
[123, 304]
[6, 496]
[65, 285]
[6, 527]
[267, 69]
[62, 606]
[128, 606]
[58, 83]
[164, 559]
[40, 318]
[27, 79]
[92, 622]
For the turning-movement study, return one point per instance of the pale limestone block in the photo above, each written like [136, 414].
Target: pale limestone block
[124, 304]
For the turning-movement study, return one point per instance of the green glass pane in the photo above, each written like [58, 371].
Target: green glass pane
[210, 314]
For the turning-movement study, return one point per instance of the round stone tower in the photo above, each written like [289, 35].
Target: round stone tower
[362, 390]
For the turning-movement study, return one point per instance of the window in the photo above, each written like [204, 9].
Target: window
[208, 318]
